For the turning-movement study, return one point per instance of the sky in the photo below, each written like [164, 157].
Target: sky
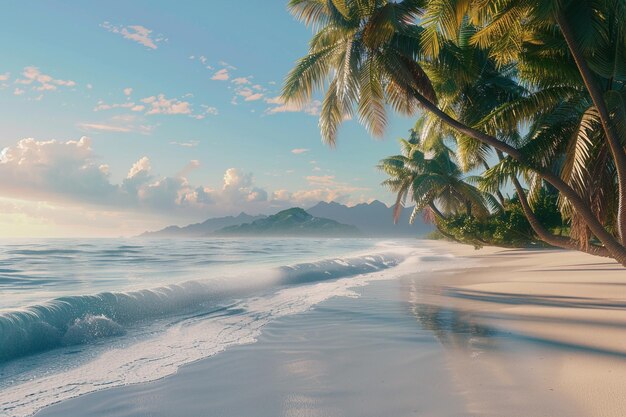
[120, 117]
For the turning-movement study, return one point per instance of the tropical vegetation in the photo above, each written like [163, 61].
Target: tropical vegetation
[530, 93]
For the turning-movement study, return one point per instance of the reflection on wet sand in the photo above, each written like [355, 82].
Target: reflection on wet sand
[540, 339]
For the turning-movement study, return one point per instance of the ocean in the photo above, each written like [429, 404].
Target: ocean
[81, 315]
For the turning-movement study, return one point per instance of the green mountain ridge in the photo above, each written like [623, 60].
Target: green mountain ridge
[291, 222]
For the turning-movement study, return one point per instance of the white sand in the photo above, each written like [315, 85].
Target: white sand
[560, 323]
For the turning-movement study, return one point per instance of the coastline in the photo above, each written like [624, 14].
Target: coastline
[511, 333]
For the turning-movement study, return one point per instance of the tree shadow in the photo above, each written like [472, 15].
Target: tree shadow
[547, 300]
[468, 330]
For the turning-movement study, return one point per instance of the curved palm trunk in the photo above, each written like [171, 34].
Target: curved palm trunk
[615, 248]
[545, 235]
[617, 150]
[435, 210]
[440, 216]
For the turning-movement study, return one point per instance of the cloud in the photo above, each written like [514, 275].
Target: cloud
[207, 111]
[248, 94]
[299, 151]
[18, 91]
[189, 168]
[53, 169]
[121, 123]
[141, 166]
[162, 105]
[103, 127]
[128, 91]
[5, 76]
[103, 106]
[227, 65]
[280, 106]
[221, 75]
[241, 81]
[238, 187]
[159, 104]
[186, 144]
[42, 82]
[136, 33]
[70, 174]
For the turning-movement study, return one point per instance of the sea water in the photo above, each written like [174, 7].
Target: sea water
[77, 316]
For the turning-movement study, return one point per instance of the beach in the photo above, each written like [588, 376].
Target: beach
[495, 332]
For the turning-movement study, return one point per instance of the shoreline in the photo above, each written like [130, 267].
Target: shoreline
[511, 333]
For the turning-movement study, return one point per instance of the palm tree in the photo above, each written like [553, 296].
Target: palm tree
[434, 181]
[370, 51]
[580, 45]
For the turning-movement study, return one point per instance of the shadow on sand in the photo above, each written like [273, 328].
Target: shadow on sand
[462, 329]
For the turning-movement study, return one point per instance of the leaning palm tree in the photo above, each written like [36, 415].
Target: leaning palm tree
[432, 181]
[367, 54]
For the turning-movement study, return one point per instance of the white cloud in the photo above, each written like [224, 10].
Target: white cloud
[103, 127]
[298, 151]
[101, 105]
[206, 111]
[42, 82]
[69, 173]
[5, 76]
[227, 65]
[241, 81]
[53, 169]
[142, 165]
[186, 144]
[248, 94]
[161, 105]
[280, 106]
[121, 124]
[18, 91]
[254, 97]
[136, 33]
[128, 91]
[221, 75]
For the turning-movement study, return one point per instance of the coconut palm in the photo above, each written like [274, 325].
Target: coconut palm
[368, 53]
[434, 181]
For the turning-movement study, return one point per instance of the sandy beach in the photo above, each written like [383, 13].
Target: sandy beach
[512, 333]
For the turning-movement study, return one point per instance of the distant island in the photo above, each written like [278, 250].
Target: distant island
[292, 222]
[373, 219]
[206, 228]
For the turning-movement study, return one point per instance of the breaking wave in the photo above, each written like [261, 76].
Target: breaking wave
[82, 319]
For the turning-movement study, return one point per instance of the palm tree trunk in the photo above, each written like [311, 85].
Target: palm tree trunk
[545, 235]
[617, 150]
[435, 210]
[440, 216]
[615, 248]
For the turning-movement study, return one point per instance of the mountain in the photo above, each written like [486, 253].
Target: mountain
[373, 219]
[205, 228]
[292, 222]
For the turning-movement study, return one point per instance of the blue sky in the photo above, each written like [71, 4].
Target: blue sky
[120, 116]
